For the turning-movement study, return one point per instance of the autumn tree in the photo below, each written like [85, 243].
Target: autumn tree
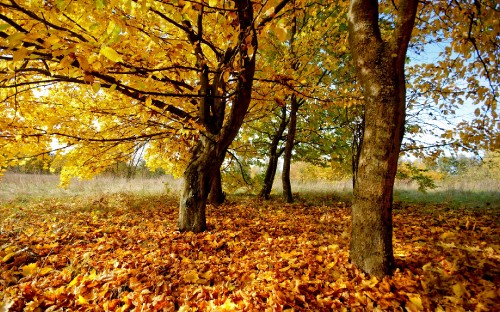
[101, 77]
[469, 29]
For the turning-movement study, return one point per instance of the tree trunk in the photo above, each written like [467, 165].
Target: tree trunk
[287, 158]
[267, 184]
[380, 70]
[198, 178]
[216, 196]
[218, 129]
[357, 140]
[274, 155]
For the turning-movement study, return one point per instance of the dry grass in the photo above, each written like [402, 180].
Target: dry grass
[22, 186]
[455, 192]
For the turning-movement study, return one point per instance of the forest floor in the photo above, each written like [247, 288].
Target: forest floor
[122, 252]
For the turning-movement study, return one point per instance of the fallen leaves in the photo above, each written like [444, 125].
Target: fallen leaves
[126, 254]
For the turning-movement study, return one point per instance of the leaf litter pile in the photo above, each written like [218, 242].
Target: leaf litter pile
[123, 253]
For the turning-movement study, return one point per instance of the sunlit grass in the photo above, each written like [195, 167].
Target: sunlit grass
[455, 192]
[473, 193]
[18, 186]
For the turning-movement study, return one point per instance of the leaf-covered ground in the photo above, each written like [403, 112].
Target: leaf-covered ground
[123, 253]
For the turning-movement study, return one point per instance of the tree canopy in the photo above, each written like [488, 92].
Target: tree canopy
[106, 77]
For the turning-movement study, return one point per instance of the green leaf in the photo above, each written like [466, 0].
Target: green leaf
[111, 54]
[94, 26]
[4, 27]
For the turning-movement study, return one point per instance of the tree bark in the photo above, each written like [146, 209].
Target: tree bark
[287, 158]
[274, 155]
[380, 71]
[216, 196]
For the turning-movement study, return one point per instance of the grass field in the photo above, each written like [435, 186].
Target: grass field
[454, 192]
[113, 245]
[31, 186]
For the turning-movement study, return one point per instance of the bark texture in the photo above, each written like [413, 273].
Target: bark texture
[220, 125]
[197, 182]
[380, 70]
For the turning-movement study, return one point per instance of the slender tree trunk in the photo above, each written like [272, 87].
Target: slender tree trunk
[357, 141]
[272, 165]
[287, 158]
[380, 70]
[216, 196]
[274, 155]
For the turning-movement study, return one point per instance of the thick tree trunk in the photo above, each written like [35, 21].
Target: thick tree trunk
[371, 243]
[287, 157]
[274, 155]
[198, 178]
[380, 70]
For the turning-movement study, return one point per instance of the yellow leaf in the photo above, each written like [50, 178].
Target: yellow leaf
[15, 39]
[111, 54]
[45, 271]
[447, 235]
[416, 301]
[134, 283]
[459, 290]
[360, 297]
[8, 257]
[186, 7]
[207, 275]
[29, 269]
[372, 282]
[20, 54]
[52, 40]
[228, 306]
[84, 64]
[212, 3]
[269, 12]
[75, 280]
[96, 86]
[333, 247]
[82, 300]
[250, 50]
[92, 276]
[191, 277]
